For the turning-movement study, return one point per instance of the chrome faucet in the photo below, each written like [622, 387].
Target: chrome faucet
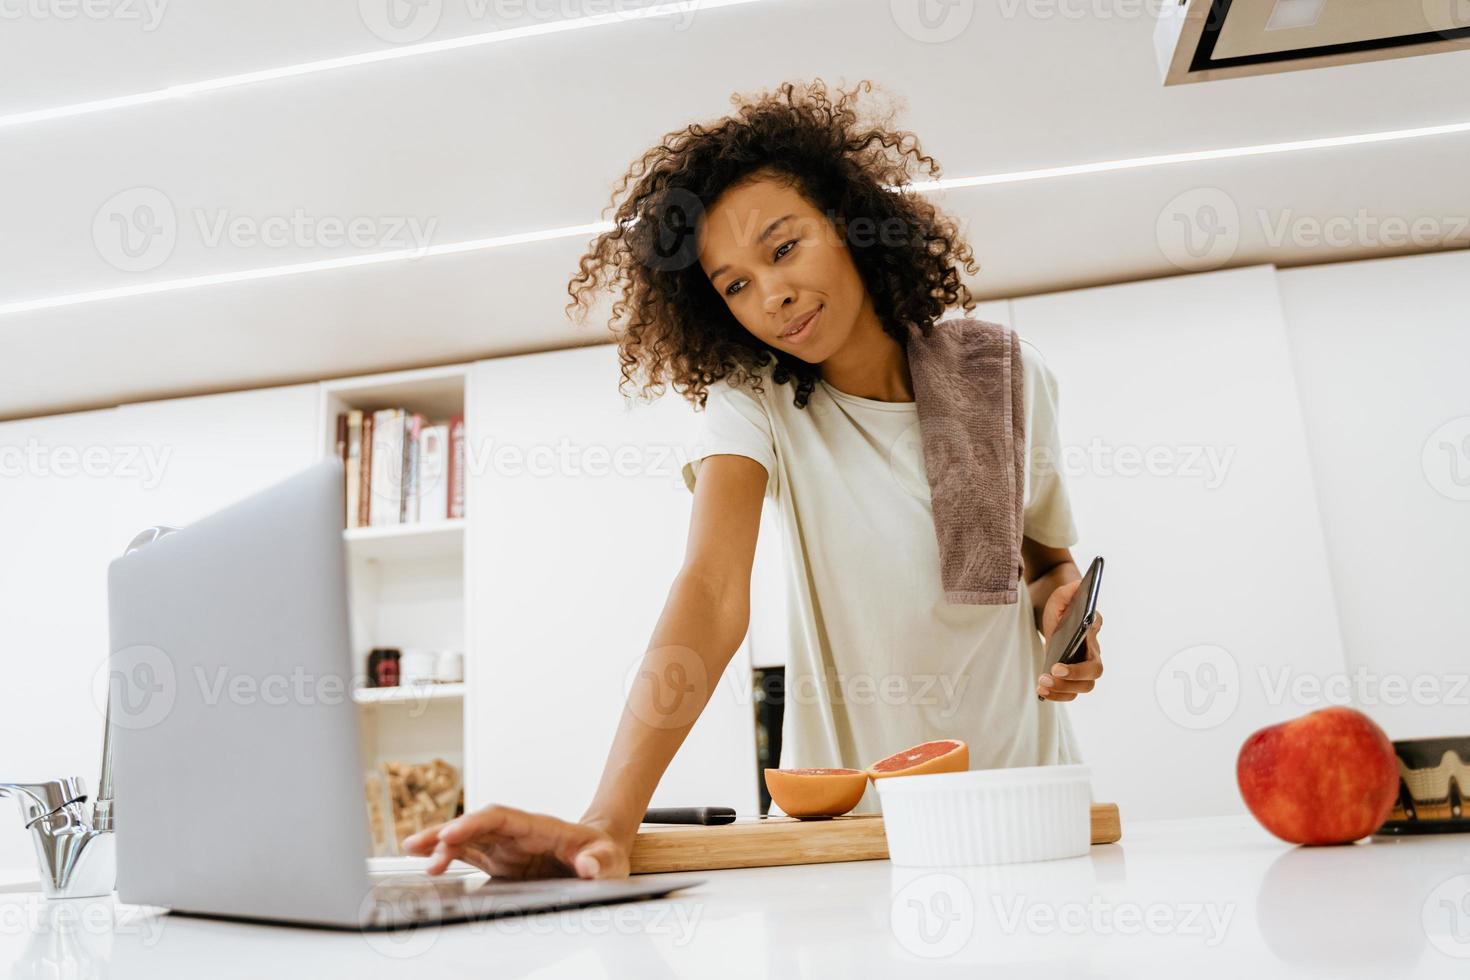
[76, 846]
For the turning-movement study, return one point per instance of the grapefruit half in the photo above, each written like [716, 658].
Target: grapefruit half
[943, 755]
[809, 793]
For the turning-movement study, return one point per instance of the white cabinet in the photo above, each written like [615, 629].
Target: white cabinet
[1381, 350]
[580, 524]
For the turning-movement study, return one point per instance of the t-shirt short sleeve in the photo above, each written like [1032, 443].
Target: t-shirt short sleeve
[735, 422]
[1048, 509]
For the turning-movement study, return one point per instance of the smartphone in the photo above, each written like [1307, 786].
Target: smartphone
[1068, 643]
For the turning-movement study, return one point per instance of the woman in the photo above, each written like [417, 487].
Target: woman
[772, 279]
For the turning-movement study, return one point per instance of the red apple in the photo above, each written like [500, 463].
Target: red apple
[1328, 777]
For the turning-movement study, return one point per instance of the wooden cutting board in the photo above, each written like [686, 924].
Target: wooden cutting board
[760, 842]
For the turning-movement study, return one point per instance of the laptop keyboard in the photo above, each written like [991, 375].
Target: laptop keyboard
[431, 898]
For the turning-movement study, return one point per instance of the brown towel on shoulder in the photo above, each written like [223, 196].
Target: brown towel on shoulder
[968, 390]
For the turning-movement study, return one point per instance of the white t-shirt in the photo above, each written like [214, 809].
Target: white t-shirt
[878, 660]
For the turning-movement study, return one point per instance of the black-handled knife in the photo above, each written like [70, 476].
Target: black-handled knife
[707, 815]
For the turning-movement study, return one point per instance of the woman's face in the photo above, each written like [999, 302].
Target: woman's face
[774, 258]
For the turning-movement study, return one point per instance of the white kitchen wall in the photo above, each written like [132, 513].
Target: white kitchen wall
[1382, 354]
[767, 636]
[1217, 571]
[1332, 397]
[58, 536]
[165, 462]
[222, 448]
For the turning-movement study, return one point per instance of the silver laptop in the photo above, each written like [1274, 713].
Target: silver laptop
[237, 773]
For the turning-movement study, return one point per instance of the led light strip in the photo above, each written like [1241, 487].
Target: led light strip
[299, 268]
[595, 228]
[1164, 159]
[367, 58]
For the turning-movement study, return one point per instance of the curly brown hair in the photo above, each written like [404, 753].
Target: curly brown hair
[680, 330]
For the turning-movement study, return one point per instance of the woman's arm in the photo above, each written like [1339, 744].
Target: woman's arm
[703, 622]
[700, 630]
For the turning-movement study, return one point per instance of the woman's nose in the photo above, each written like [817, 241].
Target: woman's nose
[777, 298]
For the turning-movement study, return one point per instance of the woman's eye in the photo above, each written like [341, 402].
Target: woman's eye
[780, 252]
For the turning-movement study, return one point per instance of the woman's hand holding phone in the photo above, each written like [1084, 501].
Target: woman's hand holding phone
[1066, 681]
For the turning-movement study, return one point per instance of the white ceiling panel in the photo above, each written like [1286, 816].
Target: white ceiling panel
[532, 134]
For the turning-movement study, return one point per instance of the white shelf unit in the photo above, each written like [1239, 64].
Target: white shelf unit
[412, 694]
[443, 539]
[407, 583]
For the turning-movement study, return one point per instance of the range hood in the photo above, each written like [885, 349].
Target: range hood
[1208, 40]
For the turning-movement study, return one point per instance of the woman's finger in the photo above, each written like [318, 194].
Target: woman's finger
[1066, 681]
[492, 820]
[423, 841]
[582, 844]
[596, 858]
[514, 843]
[469, 855]
[480, 858]
[1087, 670]
[492, 860]
[439, 859]
[533, 833]
[1083, 670]
[1094, 655]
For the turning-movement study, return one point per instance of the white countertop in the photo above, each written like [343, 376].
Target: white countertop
[1183, 898]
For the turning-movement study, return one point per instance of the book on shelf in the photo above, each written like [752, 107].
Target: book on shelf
[352, 464]
[342, 455]
[456, 466]
[385, 479]
[408, 508]
[400, 468]
[364, 471]
[433, 473]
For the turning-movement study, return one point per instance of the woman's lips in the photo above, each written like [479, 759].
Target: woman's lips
[806, 329]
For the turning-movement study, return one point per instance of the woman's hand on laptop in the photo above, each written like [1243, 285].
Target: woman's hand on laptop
[511, 843]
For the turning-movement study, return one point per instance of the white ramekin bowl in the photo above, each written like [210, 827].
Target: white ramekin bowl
[987, 816]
